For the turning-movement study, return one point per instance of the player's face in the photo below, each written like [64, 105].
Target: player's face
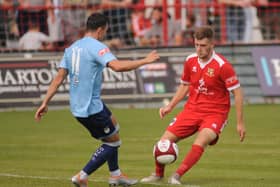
[204, 48]
[156, 15]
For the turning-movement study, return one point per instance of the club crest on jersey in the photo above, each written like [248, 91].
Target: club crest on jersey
[103, 51]
[210, 72]
[194, 69]
[214, 125]
[106, 130]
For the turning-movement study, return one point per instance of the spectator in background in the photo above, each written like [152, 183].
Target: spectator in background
[33, 39]
[55, 24]
[269, 15]
[189, 31]
[140, 24]
[154, 36]
[8, 27]
[119, 14]
[33, 11]
[73, 19]
[252, 31]
[150, 6]
[236, 20]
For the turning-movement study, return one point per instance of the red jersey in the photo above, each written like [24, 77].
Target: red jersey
[209, 84]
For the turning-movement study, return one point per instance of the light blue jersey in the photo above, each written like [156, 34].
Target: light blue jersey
[85, 60]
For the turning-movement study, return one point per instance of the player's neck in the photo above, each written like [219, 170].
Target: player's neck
[207, 58]
[92, 35]
[203, 60]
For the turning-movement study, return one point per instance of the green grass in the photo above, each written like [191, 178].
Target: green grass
[49, 153]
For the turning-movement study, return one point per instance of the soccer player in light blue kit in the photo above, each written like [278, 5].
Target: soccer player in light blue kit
[84, 62]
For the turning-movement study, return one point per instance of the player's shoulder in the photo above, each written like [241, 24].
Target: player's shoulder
[191, 57]
[94, 42]
[220, 59]
[90, 45]
[99, 47]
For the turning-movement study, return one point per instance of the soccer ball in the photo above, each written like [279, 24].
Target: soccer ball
[165, 152]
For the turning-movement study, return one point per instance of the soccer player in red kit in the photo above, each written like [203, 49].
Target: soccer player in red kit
[207, 80]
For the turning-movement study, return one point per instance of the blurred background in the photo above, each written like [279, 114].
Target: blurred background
[138, 23]
[34, 34]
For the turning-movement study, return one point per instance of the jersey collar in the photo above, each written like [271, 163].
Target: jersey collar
[203, 64]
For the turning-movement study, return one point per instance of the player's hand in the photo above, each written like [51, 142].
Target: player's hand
[42, 110]
[163, 111]
[152, 56]
[245, 3]
[241, 131]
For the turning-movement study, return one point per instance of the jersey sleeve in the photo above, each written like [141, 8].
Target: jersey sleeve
[185, 78]
[229, 77]
[63, 63]
[103, 54]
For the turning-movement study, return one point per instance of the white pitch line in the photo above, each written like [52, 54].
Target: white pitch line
[40, 177]
[68, 179]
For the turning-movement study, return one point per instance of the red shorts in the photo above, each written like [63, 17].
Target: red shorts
[188, 122]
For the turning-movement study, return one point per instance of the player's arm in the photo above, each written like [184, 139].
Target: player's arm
[180, 94]
[57, 81]
[240, 3]
[238, 97]
[127, 65]
[123, 3]
[229, 76]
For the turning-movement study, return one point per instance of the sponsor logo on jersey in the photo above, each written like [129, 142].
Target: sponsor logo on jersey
[103, 51]
[210, 72]
[202, 88]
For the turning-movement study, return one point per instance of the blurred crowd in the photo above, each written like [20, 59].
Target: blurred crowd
[53, 24]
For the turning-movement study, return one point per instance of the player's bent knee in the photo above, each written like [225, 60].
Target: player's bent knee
[113, 144]
[205, 137]
[170, 136]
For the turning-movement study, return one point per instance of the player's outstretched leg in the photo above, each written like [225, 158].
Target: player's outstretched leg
[121, 180]
[99, 157]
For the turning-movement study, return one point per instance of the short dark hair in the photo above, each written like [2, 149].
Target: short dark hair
[33, 25]
[158, 9]
[96, 20]
[204, 32]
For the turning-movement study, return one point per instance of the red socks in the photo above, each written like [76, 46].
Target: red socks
[192, 157]
[159, 169]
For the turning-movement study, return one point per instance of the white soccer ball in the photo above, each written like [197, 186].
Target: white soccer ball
[165, 152]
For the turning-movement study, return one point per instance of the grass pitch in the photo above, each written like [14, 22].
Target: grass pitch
[49, 153]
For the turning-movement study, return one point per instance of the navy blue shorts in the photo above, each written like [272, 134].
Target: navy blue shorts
[100, 124]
